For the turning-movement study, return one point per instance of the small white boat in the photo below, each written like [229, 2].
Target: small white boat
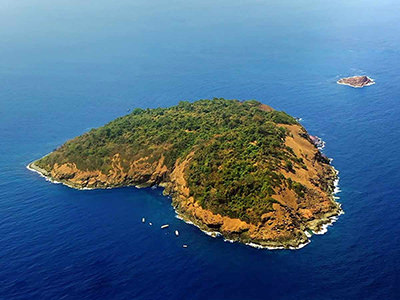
[150, 223]
[143, 220]
[176, 232]
[185, 246]
[164, 226]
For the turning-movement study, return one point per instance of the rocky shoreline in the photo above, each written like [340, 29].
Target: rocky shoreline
[317, 226]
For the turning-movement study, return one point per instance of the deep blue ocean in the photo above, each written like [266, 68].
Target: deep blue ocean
[67, 66]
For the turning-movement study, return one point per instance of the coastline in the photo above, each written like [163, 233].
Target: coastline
[324, 226]
[324, 222]
[43, 173]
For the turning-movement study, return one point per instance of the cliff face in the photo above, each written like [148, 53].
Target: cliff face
[300, 200]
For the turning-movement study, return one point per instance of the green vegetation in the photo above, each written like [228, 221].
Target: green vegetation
[236, 150]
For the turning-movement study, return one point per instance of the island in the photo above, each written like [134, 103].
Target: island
[356, 81]
[239, 169]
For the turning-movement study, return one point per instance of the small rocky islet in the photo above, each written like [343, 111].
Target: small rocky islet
[356, 81]
[239, 168]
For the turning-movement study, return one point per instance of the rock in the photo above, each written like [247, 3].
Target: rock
[356, 81]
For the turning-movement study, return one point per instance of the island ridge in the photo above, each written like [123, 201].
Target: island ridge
[241, 169]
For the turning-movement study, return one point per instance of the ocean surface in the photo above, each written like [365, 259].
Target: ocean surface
[68, 66]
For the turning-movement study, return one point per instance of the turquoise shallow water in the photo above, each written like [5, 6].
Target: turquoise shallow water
[69, 66]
